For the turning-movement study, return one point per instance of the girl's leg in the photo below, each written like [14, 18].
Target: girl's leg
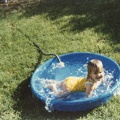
[52, 81]
[50, 86]
[58, 92]
[53, 87]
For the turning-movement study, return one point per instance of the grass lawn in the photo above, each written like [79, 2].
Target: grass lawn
[57, 26]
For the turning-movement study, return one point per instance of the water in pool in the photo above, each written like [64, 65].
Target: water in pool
[55, 72]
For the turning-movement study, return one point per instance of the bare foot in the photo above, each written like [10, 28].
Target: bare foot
[50, 86]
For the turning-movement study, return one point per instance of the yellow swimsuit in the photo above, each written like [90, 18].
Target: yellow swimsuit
[76, 83]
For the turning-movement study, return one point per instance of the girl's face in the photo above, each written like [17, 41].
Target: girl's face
[97, 75]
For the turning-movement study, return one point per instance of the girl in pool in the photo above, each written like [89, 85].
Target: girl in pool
[71, 84]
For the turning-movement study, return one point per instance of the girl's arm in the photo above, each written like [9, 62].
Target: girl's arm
[89, 89]
[91, 86]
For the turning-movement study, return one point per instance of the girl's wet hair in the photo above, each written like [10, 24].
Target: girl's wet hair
[94, 66]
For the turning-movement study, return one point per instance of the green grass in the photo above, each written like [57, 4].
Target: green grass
[57, 26]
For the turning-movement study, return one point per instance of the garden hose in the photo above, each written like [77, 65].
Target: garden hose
[47, 53]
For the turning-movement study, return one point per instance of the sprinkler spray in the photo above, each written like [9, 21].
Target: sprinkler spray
[60, 64]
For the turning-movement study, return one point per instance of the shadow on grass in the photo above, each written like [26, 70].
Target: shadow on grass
[103, 16]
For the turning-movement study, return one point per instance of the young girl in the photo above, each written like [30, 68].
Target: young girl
[72, 84]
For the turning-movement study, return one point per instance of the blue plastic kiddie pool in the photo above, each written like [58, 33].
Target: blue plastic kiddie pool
[75, 65]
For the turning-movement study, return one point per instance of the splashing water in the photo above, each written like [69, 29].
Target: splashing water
[49, 105]
[117, 93]
[58, 65]
[59, 73]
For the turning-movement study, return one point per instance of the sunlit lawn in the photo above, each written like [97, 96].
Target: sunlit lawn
[57, 26]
